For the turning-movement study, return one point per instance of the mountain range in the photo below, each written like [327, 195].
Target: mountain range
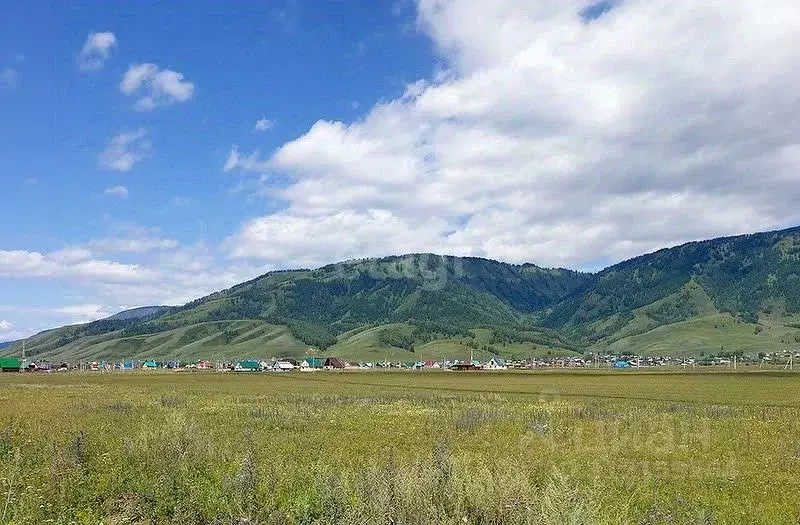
[732, 294]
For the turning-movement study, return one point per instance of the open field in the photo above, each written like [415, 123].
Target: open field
[400, 447]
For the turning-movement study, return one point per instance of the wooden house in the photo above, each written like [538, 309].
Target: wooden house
[334, 363]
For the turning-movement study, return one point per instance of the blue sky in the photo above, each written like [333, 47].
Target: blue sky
[153, 153]
[284, 62]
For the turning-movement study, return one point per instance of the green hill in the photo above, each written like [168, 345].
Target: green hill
[750, 277]
[729, 294]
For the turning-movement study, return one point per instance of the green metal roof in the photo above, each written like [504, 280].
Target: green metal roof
[10, 363]
[313, 362]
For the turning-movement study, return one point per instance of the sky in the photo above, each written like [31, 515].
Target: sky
[152, 153]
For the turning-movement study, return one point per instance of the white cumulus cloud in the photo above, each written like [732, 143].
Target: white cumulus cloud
[155, 87]
[134, 266]
[5, 325]
[119, 192]
[302, 242]
[264, 124]
[96, 51]
[69, 264]
[250, 162]
[123, 151]
[551, 138]
[85, 313]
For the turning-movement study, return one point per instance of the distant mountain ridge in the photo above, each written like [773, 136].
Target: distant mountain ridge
[138, 313]
[741, 274]
[737, 293]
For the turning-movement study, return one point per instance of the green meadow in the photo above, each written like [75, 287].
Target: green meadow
[400, 447]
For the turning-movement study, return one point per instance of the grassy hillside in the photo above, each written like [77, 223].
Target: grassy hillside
[370, 344]
[731, 294]
[716, 334]
[747, 276]
[210, 340]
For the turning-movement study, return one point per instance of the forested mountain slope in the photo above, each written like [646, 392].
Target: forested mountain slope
[442, 297]
[747, 276]
[741, 292]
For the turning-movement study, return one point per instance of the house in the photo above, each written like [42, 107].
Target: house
[248, 365]
[334, 363]
[283, 366]
[462, 367]
[622, 364]
[94, 366]
[149, 365]
[205, 365]
[432, 364]
[311, 363]
[495, 363]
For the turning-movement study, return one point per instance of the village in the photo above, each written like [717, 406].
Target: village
[495, 363]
